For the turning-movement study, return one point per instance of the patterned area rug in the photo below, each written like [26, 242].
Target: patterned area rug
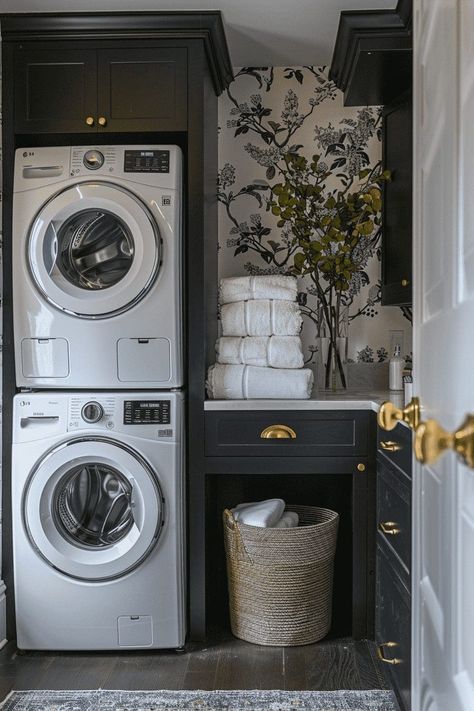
[196, 700]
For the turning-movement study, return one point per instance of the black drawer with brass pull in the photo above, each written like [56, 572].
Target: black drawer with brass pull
[394, 515]
[286, 433]
[396, 447]
[393, 627]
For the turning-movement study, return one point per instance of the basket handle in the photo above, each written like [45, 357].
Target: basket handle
[232, 525]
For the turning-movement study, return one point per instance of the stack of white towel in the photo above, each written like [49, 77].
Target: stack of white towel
[266, 514]
[261, 322]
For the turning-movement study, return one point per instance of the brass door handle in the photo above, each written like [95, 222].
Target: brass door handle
[389, 528]
[390, 446]
[90, 120]
[278, 432]
[431, 440]
[382, 657]
[102, 121]
[389, 415]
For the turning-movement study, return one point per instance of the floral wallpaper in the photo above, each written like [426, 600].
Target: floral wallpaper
[272, 112]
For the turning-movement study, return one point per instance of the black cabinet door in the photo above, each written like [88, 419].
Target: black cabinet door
[142, 89]
[56, 90]
[397, 205]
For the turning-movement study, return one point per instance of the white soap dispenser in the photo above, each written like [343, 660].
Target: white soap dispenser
[395, 371]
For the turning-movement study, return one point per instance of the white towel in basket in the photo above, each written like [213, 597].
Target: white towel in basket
[271, 351]
[261, 318]
[244, 382]
[273, 286]
[265, 514]
[290, 519]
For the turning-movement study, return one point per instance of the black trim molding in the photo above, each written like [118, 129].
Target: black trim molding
[207, 26]
[372, 56]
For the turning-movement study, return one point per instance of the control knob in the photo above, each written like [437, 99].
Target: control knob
[93, 159]
[92, 412]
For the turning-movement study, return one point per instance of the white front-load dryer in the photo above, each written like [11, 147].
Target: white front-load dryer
[97, 267]
[98, 530]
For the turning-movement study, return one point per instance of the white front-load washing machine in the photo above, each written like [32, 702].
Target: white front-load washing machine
[98, 529]
[97, 267]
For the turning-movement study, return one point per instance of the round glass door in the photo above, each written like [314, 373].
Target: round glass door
[93, 509]
[93, 505]
[94, 250]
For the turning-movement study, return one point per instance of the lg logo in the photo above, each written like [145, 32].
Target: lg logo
[28, 153]
[24, 403]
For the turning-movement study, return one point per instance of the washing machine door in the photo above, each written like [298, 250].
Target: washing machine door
[93, 508]
[94, 250]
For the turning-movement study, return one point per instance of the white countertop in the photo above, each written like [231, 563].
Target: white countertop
[323, 400]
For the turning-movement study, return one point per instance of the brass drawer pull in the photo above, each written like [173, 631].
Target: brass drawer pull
[405, 282]
[102, 121]
[389, 528]
[278, 432]
[90, 120]
[390, 446]
[381, 655]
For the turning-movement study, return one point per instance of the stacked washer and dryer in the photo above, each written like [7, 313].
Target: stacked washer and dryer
[98, 461]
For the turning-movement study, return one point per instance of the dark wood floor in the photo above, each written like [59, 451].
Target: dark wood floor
[226, 663]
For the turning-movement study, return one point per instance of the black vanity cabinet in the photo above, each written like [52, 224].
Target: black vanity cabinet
[393, 568]
[328, 461]
[63, 90]
[397, 150]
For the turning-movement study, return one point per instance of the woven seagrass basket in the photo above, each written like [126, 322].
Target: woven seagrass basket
[280, 579]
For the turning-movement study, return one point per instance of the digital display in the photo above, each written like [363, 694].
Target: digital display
[149, 412]
[146, 161]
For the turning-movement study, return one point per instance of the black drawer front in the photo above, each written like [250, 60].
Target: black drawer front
[318, 434]
[393, 624]
[400, 439]
[394, 513]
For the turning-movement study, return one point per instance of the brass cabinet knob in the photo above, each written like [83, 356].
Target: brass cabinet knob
[361, 467]
[381, 655]
[390, 528]
[431, 440]
[278, 432]
[389, 415]
[390, 446]
[102, 121]
[90, 120]
[405, 282]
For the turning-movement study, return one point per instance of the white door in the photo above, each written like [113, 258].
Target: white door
[443, 505]
[94, 250]
[93, 508]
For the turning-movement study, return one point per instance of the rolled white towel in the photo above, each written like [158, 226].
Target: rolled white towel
[271, 351]
[274, 286]
[290, 519]
[265, 514]
[261, 318]
[245, 382]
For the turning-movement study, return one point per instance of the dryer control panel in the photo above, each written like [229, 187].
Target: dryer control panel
[146, 412]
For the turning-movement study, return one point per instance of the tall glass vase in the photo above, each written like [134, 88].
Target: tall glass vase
[333, 349]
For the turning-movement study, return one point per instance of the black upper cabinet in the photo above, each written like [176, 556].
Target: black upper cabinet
[372, 56]
[397, 203]
[61, 90]
[55, 90]
[142, 89]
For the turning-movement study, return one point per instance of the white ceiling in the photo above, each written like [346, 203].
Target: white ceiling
[260, 32]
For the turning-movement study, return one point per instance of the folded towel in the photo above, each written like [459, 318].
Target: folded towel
[290, 519]
[272, 351]
[244, 382]
[261, 318]
[260, 513]
[274, 286]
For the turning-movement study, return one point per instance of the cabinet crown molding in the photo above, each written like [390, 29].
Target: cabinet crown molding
[372, 56]
[205, 25]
